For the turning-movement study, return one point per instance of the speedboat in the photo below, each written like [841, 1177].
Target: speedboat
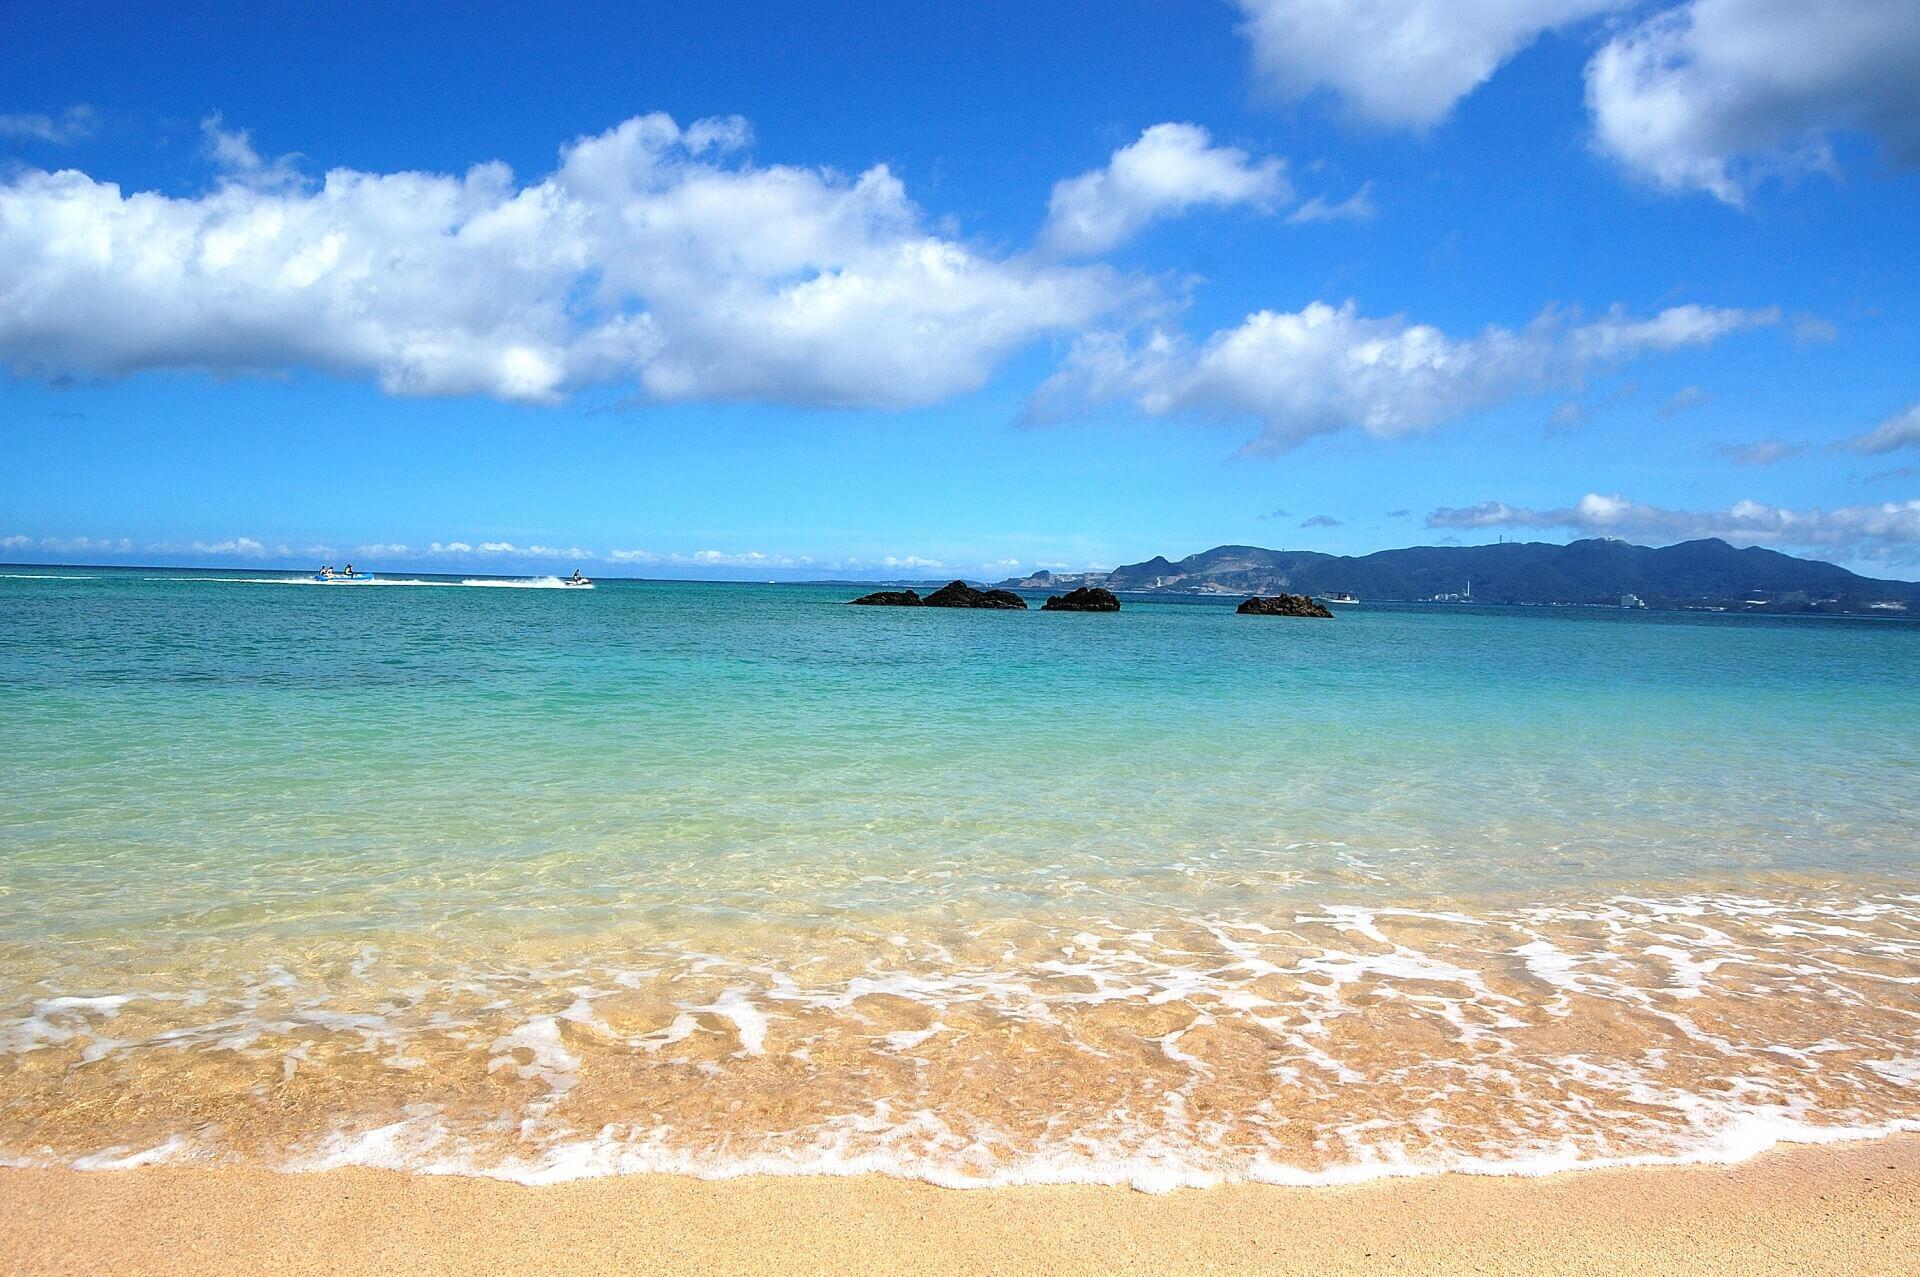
[1338, 598]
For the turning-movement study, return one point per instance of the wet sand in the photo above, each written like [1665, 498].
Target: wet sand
[1851, 1208]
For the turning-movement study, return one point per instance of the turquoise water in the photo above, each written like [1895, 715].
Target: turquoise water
[245, 806]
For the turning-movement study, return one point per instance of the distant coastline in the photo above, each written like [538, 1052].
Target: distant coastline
[1703, 575]
[1707, 575]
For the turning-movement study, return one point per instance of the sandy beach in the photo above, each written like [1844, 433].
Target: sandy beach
[1852, 1209]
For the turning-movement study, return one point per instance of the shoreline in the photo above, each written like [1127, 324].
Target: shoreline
[1849, 1207]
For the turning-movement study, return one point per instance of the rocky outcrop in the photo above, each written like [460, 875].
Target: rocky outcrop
[960, 594]
[1086, 599]
[1283, 605]
[890, 598]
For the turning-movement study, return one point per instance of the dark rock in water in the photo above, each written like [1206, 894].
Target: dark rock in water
[890, 598]
[1283, 605]
[960, 594]
[1088, 598]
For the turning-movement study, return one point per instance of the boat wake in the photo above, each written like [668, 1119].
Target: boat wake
[528, 583]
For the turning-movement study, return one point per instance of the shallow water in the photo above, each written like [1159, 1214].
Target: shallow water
[542, 882]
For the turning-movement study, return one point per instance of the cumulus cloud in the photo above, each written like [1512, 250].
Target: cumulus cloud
[1762, 452]
[74, 124]
[1172, 168]
[1716, 94]
[1891, 527]
[1901, 430]
[1325, 368]
[652, 255]
[1402, 63]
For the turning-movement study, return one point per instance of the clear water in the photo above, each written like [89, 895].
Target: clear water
[541, 882]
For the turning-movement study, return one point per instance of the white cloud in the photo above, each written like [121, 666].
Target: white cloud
[1901, 430]
[1325, 368]
[646, 257]
[1682, 399]
[1886, 528]
[244, 547]
[1812, 330]
[758, 560]
[1357, 207]
[232, 152]
[1763, 452]
[1401, 63]
[79, 545]
[497, 549]
[1715, 94]
[1172, 168]
[713, 559]
[72, 125]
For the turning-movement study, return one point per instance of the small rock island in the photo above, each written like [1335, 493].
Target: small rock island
[1085, 599]
[1283, 605]
[952, 594]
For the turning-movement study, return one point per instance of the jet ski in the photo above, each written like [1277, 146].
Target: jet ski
[577, 582]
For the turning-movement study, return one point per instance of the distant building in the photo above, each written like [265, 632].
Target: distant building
[1632, 600]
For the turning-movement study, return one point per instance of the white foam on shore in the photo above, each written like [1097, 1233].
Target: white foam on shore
[421, 1145]
[1310, 1001]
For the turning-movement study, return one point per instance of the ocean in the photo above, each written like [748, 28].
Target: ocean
[495, 878]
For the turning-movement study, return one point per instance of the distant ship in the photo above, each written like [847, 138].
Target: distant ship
[1338, 598]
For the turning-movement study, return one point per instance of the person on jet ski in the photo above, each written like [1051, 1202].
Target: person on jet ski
[576, 575]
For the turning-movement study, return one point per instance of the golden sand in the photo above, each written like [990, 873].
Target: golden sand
[1840, 1209]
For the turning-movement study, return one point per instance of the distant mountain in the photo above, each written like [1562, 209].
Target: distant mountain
[1707, 573]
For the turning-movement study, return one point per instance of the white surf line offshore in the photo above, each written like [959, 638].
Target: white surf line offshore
[528, 583]
[303, 580]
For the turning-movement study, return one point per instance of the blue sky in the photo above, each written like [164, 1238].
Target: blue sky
[877, 290]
